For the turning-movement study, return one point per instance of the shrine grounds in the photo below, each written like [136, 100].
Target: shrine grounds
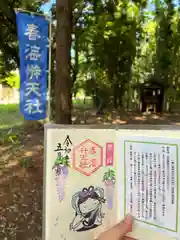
[21, 164]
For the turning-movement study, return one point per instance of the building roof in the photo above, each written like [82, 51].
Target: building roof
[152, 82]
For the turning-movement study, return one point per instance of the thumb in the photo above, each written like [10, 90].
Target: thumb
[124, 226]
[118, 231]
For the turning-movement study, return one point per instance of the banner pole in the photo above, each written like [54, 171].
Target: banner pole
[49, 75]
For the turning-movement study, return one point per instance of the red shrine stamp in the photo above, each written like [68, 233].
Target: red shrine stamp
[87, 157]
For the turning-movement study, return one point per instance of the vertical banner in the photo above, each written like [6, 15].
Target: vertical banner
[33, 50]
[109, 154]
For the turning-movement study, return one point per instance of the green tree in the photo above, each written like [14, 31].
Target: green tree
[108, 45]
[105, 47]
[164, 40]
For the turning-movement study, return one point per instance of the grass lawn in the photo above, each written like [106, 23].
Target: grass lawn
[10, 115]
[10, 118]
[82, 103]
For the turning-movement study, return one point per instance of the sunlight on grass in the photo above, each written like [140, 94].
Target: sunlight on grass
[82, 103]
[10, 116]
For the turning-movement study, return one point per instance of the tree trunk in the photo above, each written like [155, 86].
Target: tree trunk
[121, 96]
[115, 95]
[76, 60]
[63, 101]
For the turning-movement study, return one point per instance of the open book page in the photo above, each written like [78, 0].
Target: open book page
[94, 177]
[80, 183]
[148, 178]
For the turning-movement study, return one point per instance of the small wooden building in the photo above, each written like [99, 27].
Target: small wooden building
[152, 96]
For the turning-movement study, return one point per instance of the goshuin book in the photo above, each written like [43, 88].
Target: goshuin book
[94, 177]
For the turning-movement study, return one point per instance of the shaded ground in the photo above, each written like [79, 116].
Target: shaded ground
[21, 191]
[21, 187]
[89, 117]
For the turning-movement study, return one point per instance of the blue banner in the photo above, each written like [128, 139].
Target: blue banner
[33, 50]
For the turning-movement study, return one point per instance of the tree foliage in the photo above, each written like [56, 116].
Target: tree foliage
[123, 43]
[115, 46]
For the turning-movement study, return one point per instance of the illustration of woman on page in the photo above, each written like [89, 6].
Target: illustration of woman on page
[88, 207]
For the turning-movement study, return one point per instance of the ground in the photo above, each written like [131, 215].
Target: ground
[21, 190]
[21, 162]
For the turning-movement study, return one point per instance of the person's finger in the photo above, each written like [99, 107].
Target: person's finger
[124, 227]
[118, 231]
[128, 238]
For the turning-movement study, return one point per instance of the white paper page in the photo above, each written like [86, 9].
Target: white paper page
[79, 183]
[148, 166]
